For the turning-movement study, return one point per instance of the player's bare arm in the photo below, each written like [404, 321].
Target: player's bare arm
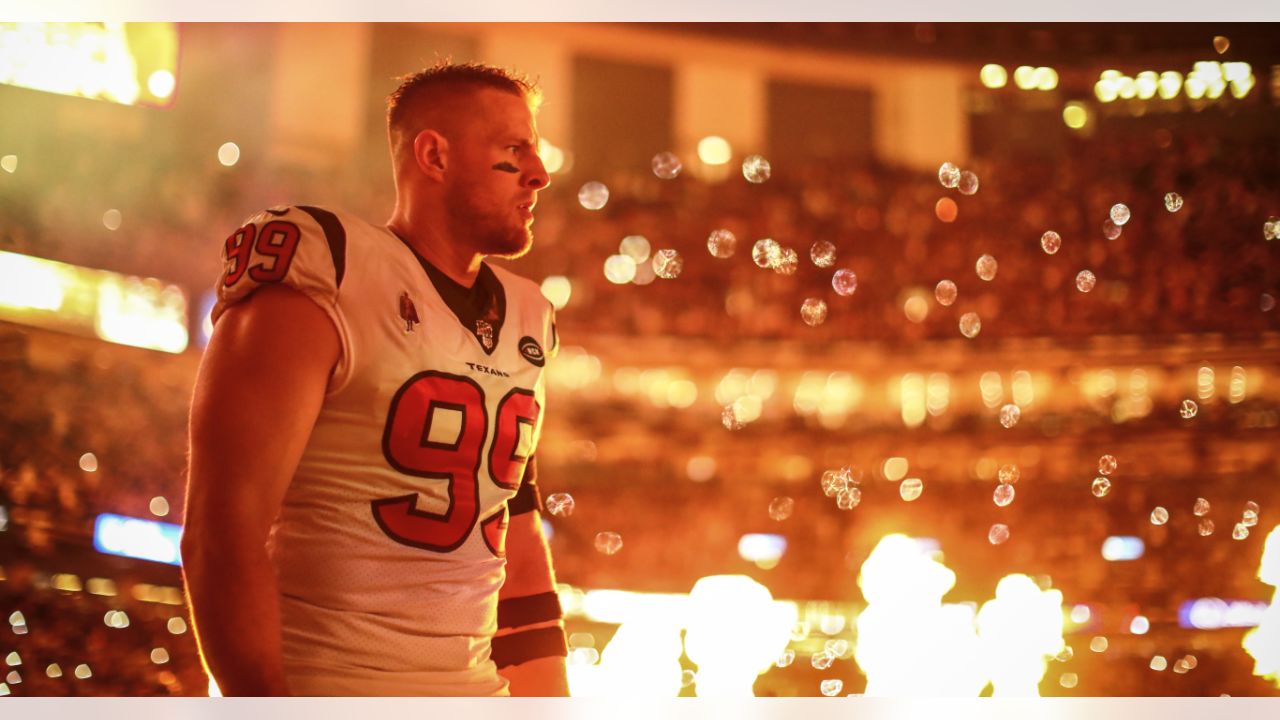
[529, 647]
[259, 389]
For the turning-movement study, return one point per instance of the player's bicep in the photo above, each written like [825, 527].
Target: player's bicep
[302, 248]
[257, 395]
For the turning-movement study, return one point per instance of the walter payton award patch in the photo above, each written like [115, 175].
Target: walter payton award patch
[532, 351]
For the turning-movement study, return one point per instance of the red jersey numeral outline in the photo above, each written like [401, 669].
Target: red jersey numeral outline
[406, 447]
[276, 242]
[239, 248]
[517, 410]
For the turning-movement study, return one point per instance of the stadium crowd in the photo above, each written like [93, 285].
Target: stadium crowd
[1202, 269]
[71, 642]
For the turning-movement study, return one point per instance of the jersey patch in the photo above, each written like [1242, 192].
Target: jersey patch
[408, 312]
[532, 351]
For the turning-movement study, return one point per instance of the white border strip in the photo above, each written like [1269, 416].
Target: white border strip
[1163, 708]
[1145, 11]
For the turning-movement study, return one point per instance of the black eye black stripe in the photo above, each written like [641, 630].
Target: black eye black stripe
[506, 167]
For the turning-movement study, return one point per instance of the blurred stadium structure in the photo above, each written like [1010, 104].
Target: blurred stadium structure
[697, 410]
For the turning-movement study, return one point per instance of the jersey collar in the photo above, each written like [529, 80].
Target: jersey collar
[480, 308]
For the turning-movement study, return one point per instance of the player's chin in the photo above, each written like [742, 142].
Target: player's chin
[514, 245]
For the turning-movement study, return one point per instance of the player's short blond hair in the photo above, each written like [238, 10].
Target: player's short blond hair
[430, 85]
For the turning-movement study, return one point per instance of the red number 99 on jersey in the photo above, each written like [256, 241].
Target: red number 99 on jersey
[275, 244]
[412, 446]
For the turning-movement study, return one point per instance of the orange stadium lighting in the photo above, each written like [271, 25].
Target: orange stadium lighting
[1147, 82]
[1106, 90]
[1024, 76]
[127, 310]
[125, 63]
[1075, 115]
[1046, 78]
[1170, 84]
[1126, 87]
[993, 76]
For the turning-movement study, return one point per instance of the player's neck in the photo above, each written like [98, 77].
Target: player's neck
[434, 246]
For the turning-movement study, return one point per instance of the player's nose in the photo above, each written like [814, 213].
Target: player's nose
[536, 175]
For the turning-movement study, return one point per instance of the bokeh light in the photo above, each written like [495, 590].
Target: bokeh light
[228, 154]
[714, 150]
[994, 76]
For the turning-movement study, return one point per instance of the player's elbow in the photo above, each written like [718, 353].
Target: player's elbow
[204, 545]
[192, 547]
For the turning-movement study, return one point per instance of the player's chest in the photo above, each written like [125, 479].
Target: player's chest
[404, 329]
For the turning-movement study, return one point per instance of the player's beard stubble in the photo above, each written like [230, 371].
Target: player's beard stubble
[495, 230]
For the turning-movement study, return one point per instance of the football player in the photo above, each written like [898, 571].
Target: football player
[362, 511]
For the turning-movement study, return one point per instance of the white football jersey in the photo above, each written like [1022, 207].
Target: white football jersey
[389, 547]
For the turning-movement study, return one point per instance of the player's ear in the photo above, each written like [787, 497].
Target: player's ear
[431, 153]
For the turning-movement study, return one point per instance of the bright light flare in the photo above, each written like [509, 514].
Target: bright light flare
[1020, 630]
[28, 283]
[735, 632]
[1263, 642]
[909, 642]
[641, 660]
[142, 315]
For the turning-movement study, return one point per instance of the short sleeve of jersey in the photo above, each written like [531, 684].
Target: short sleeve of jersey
[303, 248]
